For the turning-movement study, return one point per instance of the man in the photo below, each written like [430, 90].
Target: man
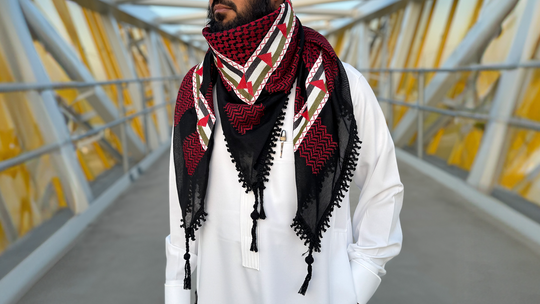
[266, 141]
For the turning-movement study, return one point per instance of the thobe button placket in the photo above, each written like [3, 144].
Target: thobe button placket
[250, 259]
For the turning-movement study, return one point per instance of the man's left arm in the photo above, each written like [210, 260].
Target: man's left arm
[376, 225]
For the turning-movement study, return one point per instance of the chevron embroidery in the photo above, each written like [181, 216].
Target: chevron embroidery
[184, 100]
[317, 146]
[317, 96]
[244, 117]
[248, 80]
[193, 152]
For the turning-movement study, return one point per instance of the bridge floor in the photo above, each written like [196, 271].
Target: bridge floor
[450, 254]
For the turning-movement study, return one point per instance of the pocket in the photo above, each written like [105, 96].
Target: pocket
[341, 275]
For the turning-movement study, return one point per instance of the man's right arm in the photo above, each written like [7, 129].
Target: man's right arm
[175, 246]
[376, 224]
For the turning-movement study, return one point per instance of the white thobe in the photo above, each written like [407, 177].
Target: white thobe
[344, 272]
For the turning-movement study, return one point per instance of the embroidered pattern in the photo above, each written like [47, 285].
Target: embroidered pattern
[193, 152]
[184, 100]
[317, 146]
[317, 45]
[299, 101]
[244, 117]
[248, 80]
[205, 115]
[317, 96]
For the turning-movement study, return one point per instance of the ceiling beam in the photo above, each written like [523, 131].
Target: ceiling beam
[190, 32]
[319, 27]
[325, 11]
[328, 13]
[371, 9]
[315, 18]
[198, 22]
[302, 3]
[193, 38]
[175, 3]
[181, 18]
[204, 4]
[106, 7]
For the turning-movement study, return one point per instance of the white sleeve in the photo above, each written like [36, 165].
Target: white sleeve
[376, 225]
[175, 246]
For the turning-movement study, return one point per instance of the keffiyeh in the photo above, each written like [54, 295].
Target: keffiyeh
[253, 68]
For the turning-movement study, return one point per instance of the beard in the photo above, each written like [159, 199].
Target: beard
[256, 9]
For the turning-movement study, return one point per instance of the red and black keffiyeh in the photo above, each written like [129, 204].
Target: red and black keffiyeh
[253, 69]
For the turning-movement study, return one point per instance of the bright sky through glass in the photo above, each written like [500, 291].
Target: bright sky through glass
[150, 13]
[171, 11]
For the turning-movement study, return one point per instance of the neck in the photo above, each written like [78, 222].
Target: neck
[240, 42]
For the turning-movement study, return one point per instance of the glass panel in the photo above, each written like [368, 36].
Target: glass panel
[497, 50]
[30, 195]
[465, 16]
[435, 33]
[51, 14]
[521, 170]
[88, 44]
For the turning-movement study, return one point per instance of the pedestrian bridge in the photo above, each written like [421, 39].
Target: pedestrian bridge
[87, 93]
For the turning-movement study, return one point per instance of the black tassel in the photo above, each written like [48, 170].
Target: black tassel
[254, 235]
[309, 261]
[187, 267]
[262, 213]
[254, 216]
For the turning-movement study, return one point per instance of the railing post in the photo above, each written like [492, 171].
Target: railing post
[390, 104]
[145, 118]
[173, 94]
[420, 116]
[123, 127]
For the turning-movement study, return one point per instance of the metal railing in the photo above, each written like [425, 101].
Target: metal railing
[123, 120]
[420, 106]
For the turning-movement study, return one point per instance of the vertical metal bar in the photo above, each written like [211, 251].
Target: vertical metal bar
[390, 105]
[420, 116]
[145, 118]
[154, 64]
[123, 127]
[8, 226]
[173, 89]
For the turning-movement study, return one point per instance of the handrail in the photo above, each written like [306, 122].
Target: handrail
[48, 148]
[7, 87]
[476, 67]
[420, 106]
[516, 122]
[19, 159]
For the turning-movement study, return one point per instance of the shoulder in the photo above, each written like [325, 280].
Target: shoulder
[310, 34]
[353, 74]
[187, 81]
[184, 99]
[189, 74]
[314, 38]
[361, 91]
